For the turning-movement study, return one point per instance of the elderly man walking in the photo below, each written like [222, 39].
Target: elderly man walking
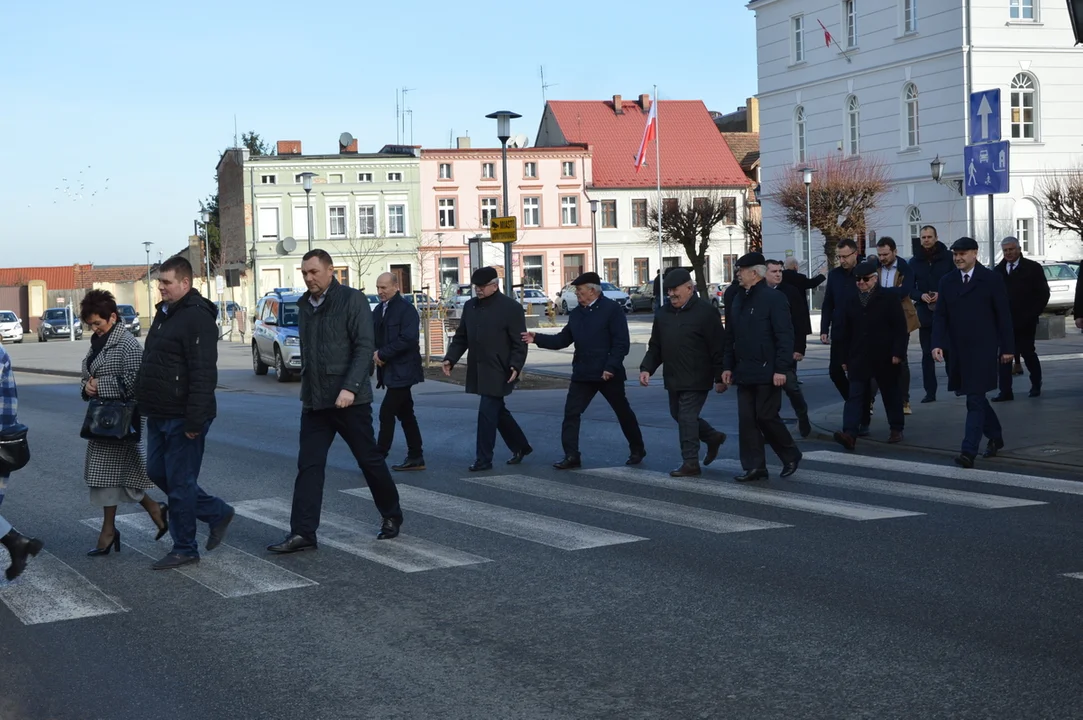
[799, 318]
[20, 547]
[397, 361]
[758, 356]
[1028, 294]
[599, 329]
[688, 339]
[491, 328]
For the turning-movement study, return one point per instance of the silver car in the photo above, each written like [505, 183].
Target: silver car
[1062, 281]
[535, 300]
[276, 340]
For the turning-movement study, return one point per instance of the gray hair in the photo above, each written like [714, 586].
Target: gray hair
[791, 263]
[593, 286]
[760, 270]
[1010, 240]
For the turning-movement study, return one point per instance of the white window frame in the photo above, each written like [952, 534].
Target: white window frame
[449, 265]
[1016, 9]
[300, 230]
[797, 39]
[1024, 233]
[445, 211]
[390, 225]
[370, 216]
[298, 180]
[911, 117]
[365, 177]
[268, 179]
[530, 170]
[852, 143]
[337, 213]
[800, 134]
[490, 208]
[849, 22]
[1024, 85]
[263, 235]
[909, 18]
[444, 171]
[394, 177]
[335, 178]
[532, 211]
[488, 171]
[569, 211]
[913, 221]
[567, 168]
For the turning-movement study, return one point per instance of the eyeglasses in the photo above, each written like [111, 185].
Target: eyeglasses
[843, 257]
[866, 279]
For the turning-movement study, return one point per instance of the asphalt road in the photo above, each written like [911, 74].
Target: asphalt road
[893, 590]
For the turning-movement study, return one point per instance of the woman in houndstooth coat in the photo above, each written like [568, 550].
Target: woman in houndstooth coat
[115, 472]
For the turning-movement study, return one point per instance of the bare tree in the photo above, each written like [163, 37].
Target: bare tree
[1061, 192]
[843, 195]
[752, 227]
[687, 222]
[361, 253]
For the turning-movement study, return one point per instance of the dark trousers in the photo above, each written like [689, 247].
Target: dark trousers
[793, 392]
[684, 407]
[1024, 348]
[318, 430]
[758, 422]
[399, 403]
[836, 373]
[173, 462]
[856, 411]
[493, 417]
[579, 396]
[928, 365]
[904, 380]
[981, 419]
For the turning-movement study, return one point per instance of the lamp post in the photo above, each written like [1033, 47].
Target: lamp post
[440, 263]
[206, 218]
[306, 183]
[150, 304]
[806, 176]
[594, 233]
[503, 132]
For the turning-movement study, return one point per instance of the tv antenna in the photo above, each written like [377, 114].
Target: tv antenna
[545, 85]
[404, 111]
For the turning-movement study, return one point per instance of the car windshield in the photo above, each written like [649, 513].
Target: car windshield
[8, 317]
[125, 310]
[534, 294]
[56, 314]
[465, 290]
[610, 287]
[1058, 272]
[289, 315]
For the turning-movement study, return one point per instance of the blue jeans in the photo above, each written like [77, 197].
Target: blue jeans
[981, 419]
[173, 462]
[5, 526]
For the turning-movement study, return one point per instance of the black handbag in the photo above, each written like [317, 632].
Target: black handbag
[111, 421]
[14, 449]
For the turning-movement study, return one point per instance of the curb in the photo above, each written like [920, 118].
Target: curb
[79, 376]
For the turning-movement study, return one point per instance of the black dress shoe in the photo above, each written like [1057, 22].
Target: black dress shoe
[752, 475]
[113, 544]
[292, 544]
[965, 460]
[686, 469]
[19, 547]
[803, 425]
[568, 462]
[845, 439]
[479, 466]
[712, 448]
[790, 468]
[635, 457]
[928, 399]
[163, 509]
[218, 531]
[172, 561]
[992, 447]
[409, 464]
[389, 528]
[1003, 397]
[519, 455]
[1035, 391]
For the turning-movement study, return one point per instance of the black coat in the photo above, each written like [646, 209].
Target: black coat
[179, 370]
[841, 286]
[336, 347]
[688, 344]
[799, 319]
[760, 340]
[600, 334]
[802, 283]
[870, 335]
[1028, 292]
[974, 324]
[491, 328]
[1077, 311]
[929, 268]
[398, 342]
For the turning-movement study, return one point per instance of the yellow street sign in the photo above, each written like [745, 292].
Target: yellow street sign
[503, 230]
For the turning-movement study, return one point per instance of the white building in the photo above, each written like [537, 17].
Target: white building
[897, 85]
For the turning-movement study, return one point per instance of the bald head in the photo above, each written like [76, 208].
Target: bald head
[387, 285]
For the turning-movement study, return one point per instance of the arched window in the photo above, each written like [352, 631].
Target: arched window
[1027, 226]
[1024, 107]
[910, 103]
[853, 126]
[799, 138]
[913, 222]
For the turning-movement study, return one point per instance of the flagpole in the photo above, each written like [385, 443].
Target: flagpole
[658, 177]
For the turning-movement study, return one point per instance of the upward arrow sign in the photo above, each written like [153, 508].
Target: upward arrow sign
[984, 111]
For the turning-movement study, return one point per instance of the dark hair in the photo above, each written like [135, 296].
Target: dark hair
[846, 243]
[320, 255]
[774, 262]
[178, 266]
[930, 227]
[887, 242]
[98, 302]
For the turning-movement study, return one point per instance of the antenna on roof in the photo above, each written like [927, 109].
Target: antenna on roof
[545, 85]
[234, 129]
[404, 111]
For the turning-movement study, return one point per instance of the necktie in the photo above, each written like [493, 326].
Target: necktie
[966, 279]
[383, 308]
[1011, 268]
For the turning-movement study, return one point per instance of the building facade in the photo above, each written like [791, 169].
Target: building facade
[894, 84]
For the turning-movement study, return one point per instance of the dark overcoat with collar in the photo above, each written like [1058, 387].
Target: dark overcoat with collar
[760, 342]
[1028, 292]
[600, 334]
[398, 343]
[491, 330]
[870, 335]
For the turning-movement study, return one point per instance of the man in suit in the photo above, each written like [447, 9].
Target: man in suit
[872, 338]
[397, 362]
[798, 317]
[840, 287]
[896, 278]
[930, 263]
[802, 283]
[599, 329]
[1028, 294]
[1077, 311]
[972, 326]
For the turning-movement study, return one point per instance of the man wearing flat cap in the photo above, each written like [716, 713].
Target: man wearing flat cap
[1028, 294]
[688, 339]
[759, 354]
[972, 325]
[599, 329]
[491, 328]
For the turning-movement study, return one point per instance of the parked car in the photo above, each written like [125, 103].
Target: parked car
[374, 301]
[642, 298]
[420, 300]
[130, 318]
[56, 323]
[535, 299]
[715, 292]
[11, 327]
[566, 299]
[462, 293]
[276, 341]
[1062, 281]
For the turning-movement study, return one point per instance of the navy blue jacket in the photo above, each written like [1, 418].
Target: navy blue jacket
[398, 342]
[928, 269]
[841, 286]
[760, 341]
[600, 334]
[688, 344]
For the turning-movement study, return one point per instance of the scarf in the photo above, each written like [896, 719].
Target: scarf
[864, 297]
[98, 343]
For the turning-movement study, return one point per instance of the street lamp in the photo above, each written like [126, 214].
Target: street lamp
[729, 230]
[594, 233]
[206, 218]
[503, 132]
[150, 304]
[306, 183]
[806, 176]
[937, 167]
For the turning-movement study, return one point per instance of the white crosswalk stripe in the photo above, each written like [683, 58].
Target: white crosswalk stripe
[554, 532]
[50, 591]
[404, 553]
[1075, 576]
[683, 515]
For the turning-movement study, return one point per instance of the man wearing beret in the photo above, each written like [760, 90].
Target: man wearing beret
[491, 328]
[972, 325]
[759, 354]
[599, 329]
[688, 339]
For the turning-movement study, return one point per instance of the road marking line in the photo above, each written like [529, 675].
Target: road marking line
[560, 534]
[650, 509]
[760, 495]
[50, 590]
[991, 477]
[404, 553]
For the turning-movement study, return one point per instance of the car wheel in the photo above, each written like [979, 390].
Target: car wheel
[280, 367]
[41, 337]
[563, 307]
[258, 366]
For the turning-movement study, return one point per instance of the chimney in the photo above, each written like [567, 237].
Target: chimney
[645, 102]
[618, 109]
[752, 118]
[350, 149]
[462, 143]
[289, 147]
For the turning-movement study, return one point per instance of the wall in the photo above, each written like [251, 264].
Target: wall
[17, 299]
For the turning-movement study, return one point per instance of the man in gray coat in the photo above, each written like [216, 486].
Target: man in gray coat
[337, 347]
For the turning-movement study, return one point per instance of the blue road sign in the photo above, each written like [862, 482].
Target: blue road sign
[985, 168]
[985, 116]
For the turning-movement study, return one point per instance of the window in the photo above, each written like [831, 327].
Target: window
[449, 271]
[488, 171]
[396, 219]
[609, 213]
[488, 211]
[1021, 9]
[639, 213]
[853, 126]
[729, 206]
[849, 9]
[336, 221]
[569, 211]
[342, 275]
[533, 270]
[268, 179]
[611, 272]
[797, 28]
[364, 177]
[670, 205]
[913, 222]
[445, 171]
[1024, 103]
[670, 261]
[335, 178]
[910, 103]
[447, 212]
[298, 179]
[530, 170]
[531, 212]
[300, 222]
[642, 269]
[1024, 231]
[573, 267]
[567, 169]
[394, 177]
[268, 223]
[799, 133]
[728, 261]
[366, 220]
[910, 16]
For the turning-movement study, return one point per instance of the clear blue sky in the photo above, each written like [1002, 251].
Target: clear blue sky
[128, 104]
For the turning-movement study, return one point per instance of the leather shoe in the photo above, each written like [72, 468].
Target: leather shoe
[19, 547]
[1035, 391]
[790, 468]
[845, 439]
[519, 455]
[389, 528]
[568, 462]
[172, 561]
[687, 469]
[896, 436]
[410, 463]
[803, 425]
[479, 466]
[712, 448]
[292, 544]
[965, 460]
[163, 509]
[928, 399]
[636, 457]
[1003, 397]
[218, 531]
[752, 475]
[992, 447]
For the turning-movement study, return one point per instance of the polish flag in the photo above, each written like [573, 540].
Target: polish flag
[649, 134]
[827, 35]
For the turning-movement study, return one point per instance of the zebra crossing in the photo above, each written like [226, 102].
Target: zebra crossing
[60, 585]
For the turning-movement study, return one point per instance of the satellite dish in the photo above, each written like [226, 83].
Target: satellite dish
[345, 139]
[519, 141]
[287, 246]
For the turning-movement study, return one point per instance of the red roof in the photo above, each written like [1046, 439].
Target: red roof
[693, 153]
[116, 273]
[56, 278]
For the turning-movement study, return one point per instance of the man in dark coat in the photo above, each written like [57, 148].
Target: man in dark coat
[1077, 311]
[798, 317]
[973, 324]
[872, 337]
[930, 263]
[759, 354]
[687, 338]
[491, 327]
[397, 361]
[802, 283]
[840, 288]
[599, 329]
[1028, 294]
[896, 278]
[337, 346]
